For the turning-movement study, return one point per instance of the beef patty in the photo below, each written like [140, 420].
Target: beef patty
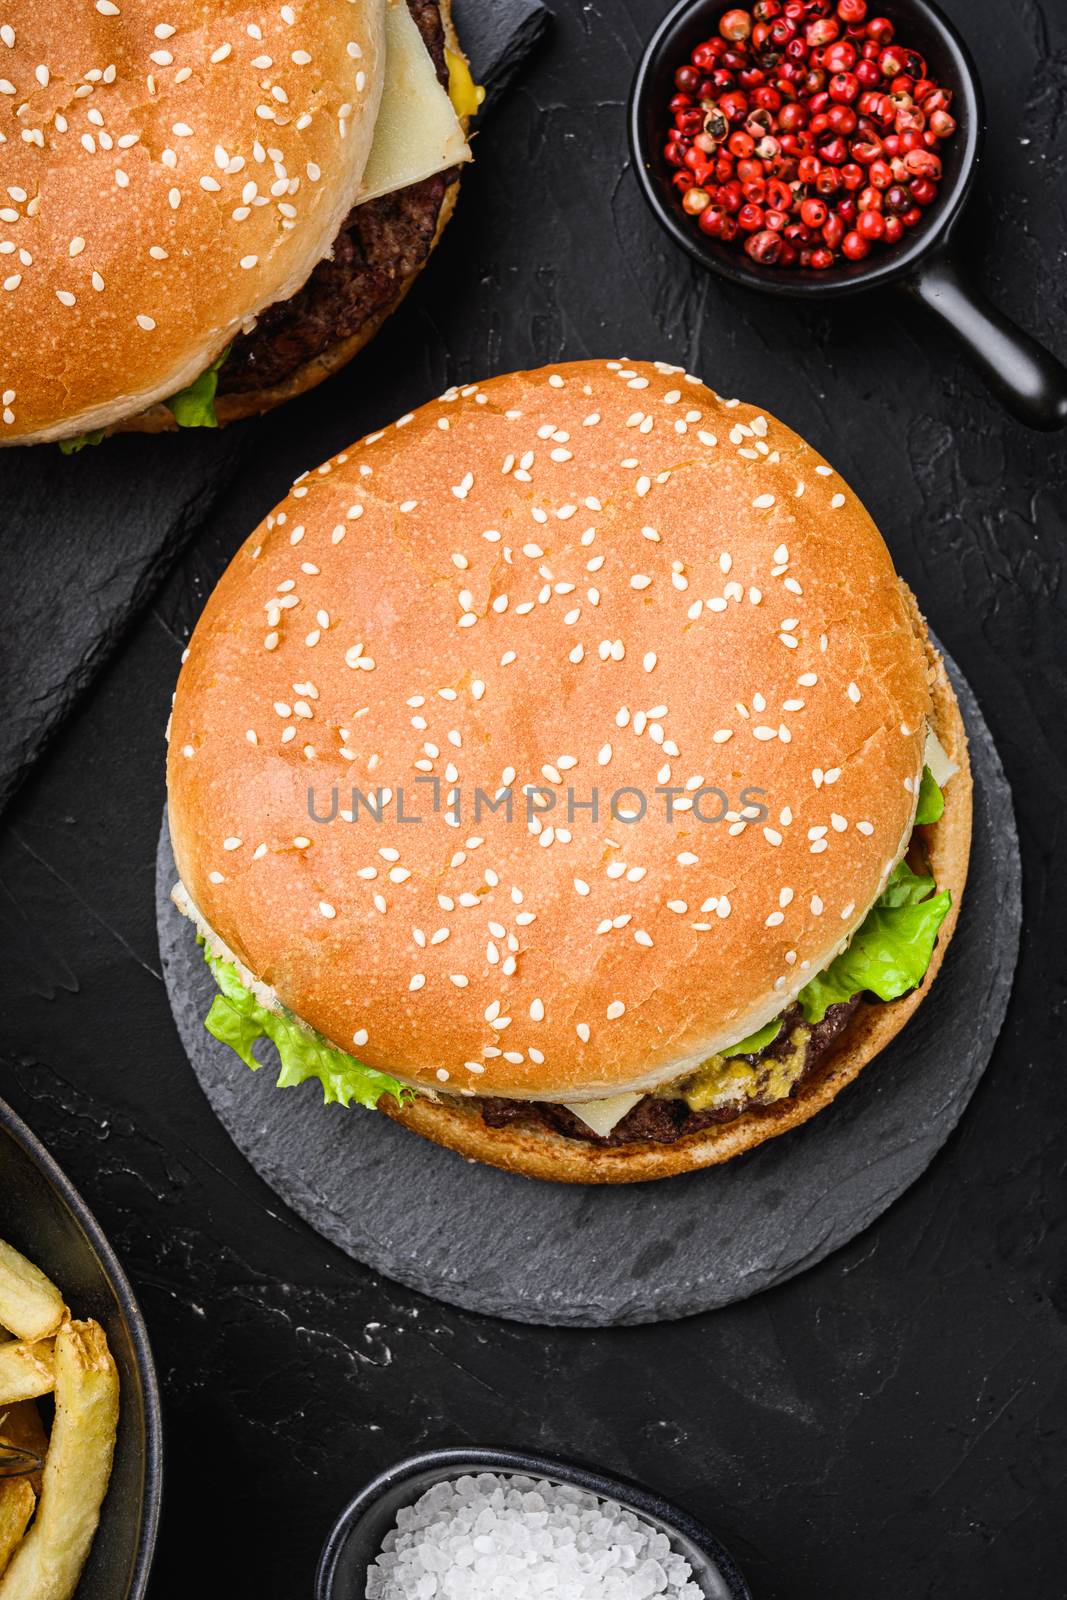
[380, 246]
[658, 1120]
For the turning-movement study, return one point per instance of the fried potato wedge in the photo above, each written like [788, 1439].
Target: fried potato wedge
[27, 1369]
[31, 1307]
[17, 1501]
[48, 1562]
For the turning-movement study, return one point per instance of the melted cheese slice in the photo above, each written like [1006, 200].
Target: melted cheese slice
[936, 757]
[603, 1115]
[418, 132]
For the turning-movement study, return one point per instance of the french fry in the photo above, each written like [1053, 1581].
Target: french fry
[49, 1560]
[26, 1370]
[31, 1307]
[17, 1501]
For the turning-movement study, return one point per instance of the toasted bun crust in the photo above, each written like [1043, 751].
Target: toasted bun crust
[190, 166]
[538, 1153]
[599, 575]
[234, 407]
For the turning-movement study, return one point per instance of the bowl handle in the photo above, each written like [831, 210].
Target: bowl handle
[1028, 379]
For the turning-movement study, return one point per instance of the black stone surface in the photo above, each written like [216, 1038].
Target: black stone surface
[654, 1252]
[890, 1423]
[85, 540]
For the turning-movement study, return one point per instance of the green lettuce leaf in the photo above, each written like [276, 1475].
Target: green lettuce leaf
[755, 1042]
[931, 801]
[237, 1019]
[70, 447]
[891, 949]
[194, 407]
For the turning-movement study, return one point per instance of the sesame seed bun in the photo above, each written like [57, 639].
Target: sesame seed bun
[139, 246]
[601, 575]
[538, 1153]
[237, 405]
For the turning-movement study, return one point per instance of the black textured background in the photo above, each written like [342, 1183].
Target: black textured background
[887, 1425]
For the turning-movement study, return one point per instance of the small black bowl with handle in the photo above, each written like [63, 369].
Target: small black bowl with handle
[1026, 377]
[356, 1537]
[44, 1216]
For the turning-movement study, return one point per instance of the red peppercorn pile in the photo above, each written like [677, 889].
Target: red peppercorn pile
[804, 133]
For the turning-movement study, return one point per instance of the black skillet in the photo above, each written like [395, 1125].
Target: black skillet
[1030, 381]
[44, 1216]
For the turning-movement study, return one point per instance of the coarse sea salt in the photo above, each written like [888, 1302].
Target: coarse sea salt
[488, 1537]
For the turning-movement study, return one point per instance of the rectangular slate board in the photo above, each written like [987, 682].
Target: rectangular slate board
[85, 540]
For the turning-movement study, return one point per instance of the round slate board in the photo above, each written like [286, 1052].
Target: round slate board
[591, 1257]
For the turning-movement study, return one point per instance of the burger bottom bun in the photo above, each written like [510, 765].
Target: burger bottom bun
[253, 402]
[539, 1153]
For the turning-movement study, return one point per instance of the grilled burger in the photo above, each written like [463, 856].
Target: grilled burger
[206, 211]
[566, 771]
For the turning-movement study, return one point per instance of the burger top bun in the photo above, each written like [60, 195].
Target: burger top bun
[596, 578]
[166, 171]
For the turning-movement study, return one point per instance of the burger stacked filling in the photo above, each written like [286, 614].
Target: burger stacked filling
[887, 957]
[380, 247]
[720, 1091]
